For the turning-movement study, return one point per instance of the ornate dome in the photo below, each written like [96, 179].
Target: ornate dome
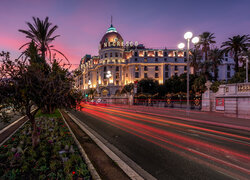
[112, 38]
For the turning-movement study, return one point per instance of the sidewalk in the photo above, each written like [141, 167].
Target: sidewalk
[211, 118]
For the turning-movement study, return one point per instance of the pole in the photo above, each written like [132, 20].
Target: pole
[247, 69]
[188, 71]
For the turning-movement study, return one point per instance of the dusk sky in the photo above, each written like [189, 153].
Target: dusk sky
[154, 23]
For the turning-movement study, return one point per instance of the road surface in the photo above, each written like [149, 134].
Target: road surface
[171, 148]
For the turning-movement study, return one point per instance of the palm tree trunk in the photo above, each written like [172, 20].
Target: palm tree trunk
[236, 60]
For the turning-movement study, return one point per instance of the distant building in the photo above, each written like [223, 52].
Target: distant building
[120, 63]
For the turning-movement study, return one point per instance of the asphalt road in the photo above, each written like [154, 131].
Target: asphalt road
[169, 148]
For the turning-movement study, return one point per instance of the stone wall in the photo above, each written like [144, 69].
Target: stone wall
[231, 99]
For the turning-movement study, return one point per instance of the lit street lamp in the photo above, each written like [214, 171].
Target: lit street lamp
[89, 83]
[109, 75]
[188, 36]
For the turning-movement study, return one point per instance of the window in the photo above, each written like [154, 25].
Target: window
[166, 74]
[185, 54]
[135, 59]
[104, 68]
[116, 54]
[111, 54]
[157, 68]
[116, 61]
[145, 75]
[228, 74]
[105, 82]
[175, 59]
[136, 74]
[117, 76]
[176, 68]
[136, 68]
[185, 68]
[175, 54]
[136, 54]
[106, 62]
[145, 68]
[156, 75]
[156, 59]
[120, 54]
[126, 74]
[156, 54]
[165, 54]
[145, 54]
[226, 54]
[117, 68]
[165, 59]
[226, 59]
[166, 67]
[104, 76]
[145, 60]
[185, 59]
[117, 82]
[228, 67]
[106, 55]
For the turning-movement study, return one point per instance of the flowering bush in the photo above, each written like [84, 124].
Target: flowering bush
[56, 156]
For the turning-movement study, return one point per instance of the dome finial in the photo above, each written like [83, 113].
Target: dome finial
[111, 28]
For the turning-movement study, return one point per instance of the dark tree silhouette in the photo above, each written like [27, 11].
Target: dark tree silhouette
[237, 45]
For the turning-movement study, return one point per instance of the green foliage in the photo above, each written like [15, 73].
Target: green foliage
[148, 86]
[127, 88]
[56, 114]
[45, 161]
[239, 77]
[199, 84]
[215, 86]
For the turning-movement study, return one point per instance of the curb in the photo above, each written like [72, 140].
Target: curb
[123, 165]
[91, 168]
[6, 139]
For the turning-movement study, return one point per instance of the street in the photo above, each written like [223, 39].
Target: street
[171, 147]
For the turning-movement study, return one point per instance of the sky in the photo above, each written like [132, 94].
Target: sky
[154, 23]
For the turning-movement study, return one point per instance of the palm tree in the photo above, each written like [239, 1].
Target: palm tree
[205, 69]
[236, 44]
[215, 56]
[195, 58]
[41, 33]
[206, 39]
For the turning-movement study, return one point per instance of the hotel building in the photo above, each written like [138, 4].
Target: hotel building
[120, 63]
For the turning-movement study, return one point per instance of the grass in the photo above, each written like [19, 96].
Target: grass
[56, 114]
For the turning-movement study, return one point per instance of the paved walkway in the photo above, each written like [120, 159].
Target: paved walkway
[212, 118]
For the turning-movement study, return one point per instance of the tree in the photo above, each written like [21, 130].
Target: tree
[199, 84]
[41, 33]
[205, 69]
[195, 59]
[206, 39]
[236, 45]
[24, 84]
[128, 88]
[215, 56]
[148, 86]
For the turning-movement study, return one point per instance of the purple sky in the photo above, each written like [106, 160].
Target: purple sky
[155, 23]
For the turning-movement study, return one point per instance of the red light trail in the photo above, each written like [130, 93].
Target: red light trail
[180, 141]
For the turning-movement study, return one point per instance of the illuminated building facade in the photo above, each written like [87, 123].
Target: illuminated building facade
[120, 63]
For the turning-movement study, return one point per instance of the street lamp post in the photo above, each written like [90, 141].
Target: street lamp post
[247, 69]
[188, 36]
